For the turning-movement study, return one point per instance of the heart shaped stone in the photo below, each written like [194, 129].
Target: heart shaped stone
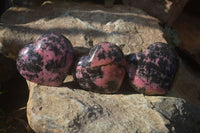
[102, 70]
[47, 61]
[153, 71]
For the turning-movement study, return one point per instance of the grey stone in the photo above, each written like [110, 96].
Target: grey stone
[130, 28]
[183, 117]
[70, 109]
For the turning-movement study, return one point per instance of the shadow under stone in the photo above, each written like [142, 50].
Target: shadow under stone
[15, 94]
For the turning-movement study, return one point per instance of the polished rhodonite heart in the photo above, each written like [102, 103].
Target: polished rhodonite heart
[47, 61]
[102, 70]
[153, 71]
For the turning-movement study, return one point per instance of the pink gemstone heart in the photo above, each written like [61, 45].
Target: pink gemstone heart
[47, 61]
[102, 70]
[153, 71]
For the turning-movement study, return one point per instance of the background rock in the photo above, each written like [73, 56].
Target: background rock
[189, 32]
[165, 10]
[188, 28]
[129, 28]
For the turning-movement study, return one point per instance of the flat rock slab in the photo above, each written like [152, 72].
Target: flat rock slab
[71, 109]
[68, 109]
[84, 24]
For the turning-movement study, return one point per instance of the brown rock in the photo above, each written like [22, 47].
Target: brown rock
[69, 109]
[165, 10]
[188, 30]
[129, 28]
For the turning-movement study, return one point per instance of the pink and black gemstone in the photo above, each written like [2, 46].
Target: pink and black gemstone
[153, 71]
[46, 61]
[102, 70]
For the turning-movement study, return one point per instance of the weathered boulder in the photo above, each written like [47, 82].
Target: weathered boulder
[165, 10]
[70, 109]
[129, 28]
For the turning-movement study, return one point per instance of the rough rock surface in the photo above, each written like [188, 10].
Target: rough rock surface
[71, 109]
[129, 28]
[166, 10]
